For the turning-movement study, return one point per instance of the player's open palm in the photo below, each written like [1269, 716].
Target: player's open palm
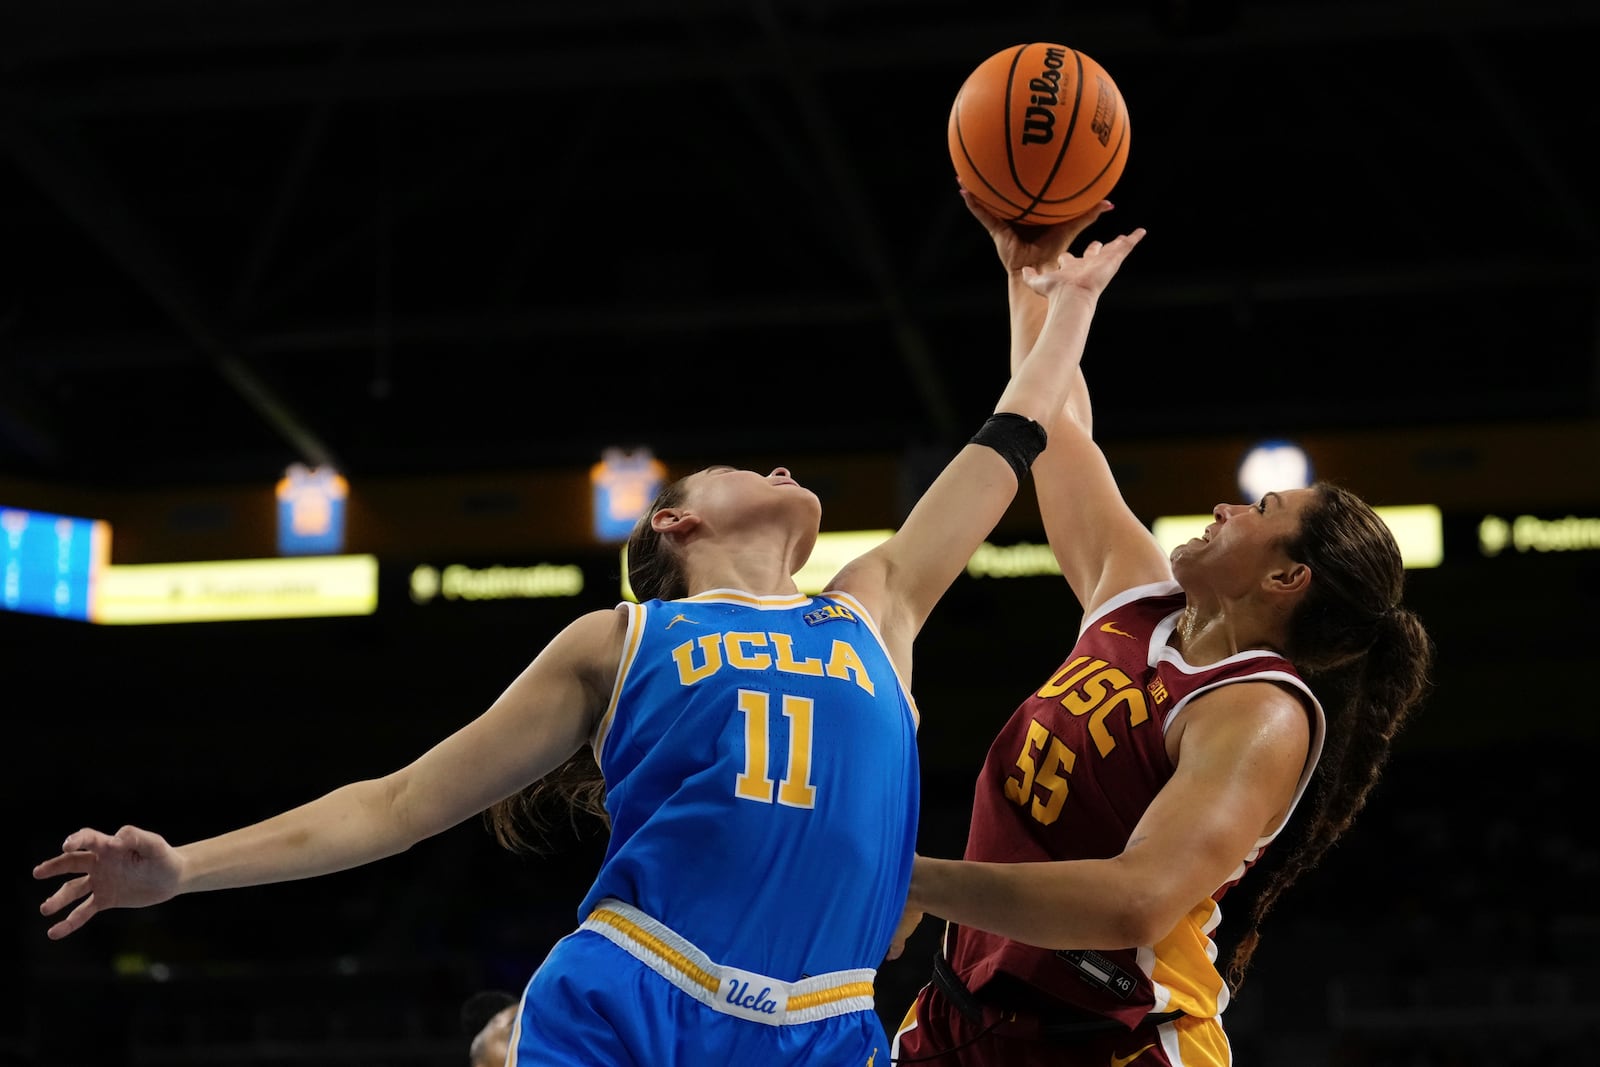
[1088, 272]
[132, 869]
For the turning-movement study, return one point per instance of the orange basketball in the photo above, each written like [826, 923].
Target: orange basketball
[1039, 133]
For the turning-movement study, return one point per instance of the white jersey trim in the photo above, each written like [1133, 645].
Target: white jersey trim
[630, 649]
[1126, 597]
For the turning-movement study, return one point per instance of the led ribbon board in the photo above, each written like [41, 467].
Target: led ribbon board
[227, 590]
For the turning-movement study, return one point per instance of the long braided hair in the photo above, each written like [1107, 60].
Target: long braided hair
[522, 821]
[1351, 637]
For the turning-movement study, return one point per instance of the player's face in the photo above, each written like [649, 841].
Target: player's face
[734, 502]
[729, 494]
[1242, 545]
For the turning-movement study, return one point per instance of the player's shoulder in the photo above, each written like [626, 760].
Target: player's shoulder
[595, 640]
[1251, 714]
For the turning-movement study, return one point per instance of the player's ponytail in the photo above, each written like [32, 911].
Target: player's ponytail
[1357, 645]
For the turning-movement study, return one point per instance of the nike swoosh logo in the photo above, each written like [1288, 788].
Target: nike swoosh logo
[676, 619]
[1111, 628]
[1123, 1061]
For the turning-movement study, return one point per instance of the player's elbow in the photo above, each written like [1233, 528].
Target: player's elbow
[397, 812]
[1143, 912]
[1146, 926]
[1127, 922]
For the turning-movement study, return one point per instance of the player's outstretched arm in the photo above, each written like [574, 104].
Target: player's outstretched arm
[543, 717]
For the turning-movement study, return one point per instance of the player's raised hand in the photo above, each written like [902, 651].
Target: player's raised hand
[132, 869]
[1020, 245]
[1089, 272]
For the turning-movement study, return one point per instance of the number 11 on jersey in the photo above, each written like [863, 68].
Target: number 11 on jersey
[753, 783]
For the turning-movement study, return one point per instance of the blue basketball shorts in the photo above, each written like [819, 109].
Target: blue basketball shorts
[624, 990]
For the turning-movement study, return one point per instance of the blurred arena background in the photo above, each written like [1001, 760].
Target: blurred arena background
[458, 251]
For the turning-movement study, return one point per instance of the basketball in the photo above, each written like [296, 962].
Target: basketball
[1039, 133]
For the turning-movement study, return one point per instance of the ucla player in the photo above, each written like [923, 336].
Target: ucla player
[758, 749]
[1148, 773]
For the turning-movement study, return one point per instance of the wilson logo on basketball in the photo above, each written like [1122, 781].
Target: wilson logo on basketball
[1039, 121]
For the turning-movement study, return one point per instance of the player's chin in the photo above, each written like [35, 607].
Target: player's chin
[1184, 557]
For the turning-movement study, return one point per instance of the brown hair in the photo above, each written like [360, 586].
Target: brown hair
[654, 572]
[522, 821]
[1350, 635]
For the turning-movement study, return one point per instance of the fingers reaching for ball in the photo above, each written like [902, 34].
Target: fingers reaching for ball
[1089, 272]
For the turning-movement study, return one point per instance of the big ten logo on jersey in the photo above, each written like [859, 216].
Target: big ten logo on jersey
[829, 613]
[1085, 686]
[749, 650]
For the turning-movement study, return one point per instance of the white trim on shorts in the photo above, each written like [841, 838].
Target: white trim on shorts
[729, 990]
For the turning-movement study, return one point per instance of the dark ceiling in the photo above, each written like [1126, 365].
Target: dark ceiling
[410, 236]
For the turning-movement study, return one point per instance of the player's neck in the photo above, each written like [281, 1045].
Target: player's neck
[1206, 637]
[753, 564]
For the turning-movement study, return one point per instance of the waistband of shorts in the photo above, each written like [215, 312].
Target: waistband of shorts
[729, 990]
[1064, 1024]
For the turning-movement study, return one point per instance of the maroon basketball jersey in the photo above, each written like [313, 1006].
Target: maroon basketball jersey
[1071, 774]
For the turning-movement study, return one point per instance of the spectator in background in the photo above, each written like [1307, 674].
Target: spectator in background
[487, 1019]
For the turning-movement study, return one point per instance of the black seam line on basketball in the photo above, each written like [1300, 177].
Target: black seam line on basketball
[1072, 125]
[1011, 77]
[998, 195]
[1122, 138]
[973, 164]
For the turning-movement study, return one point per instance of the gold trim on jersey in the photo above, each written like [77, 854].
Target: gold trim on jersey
[630, 649]
[729, 990]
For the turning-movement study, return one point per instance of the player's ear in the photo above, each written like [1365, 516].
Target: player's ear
[676, 521]
[1295, 577]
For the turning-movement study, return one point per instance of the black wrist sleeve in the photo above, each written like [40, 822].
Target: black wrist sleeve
[1017, 438]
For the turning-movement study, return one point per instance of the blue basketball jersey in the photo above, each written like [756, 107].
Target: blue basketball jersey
[762, 780]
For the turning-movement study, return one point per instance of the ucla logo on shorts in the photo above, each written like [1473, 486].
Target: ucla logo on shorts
[751, 996]
[828, 613]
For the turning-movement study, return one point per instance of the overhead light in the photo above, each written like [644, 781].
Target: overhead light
[1273, 466]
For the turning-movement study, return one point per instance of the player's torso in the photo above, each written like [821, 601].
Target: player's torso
[1072, 773]
[1078, 762]
[762, 780]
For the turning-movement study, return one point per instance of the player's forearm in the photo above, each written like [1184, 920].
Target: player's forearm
[1041, 385]
[1027, 310]
[1066, 904]
[352, 825]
